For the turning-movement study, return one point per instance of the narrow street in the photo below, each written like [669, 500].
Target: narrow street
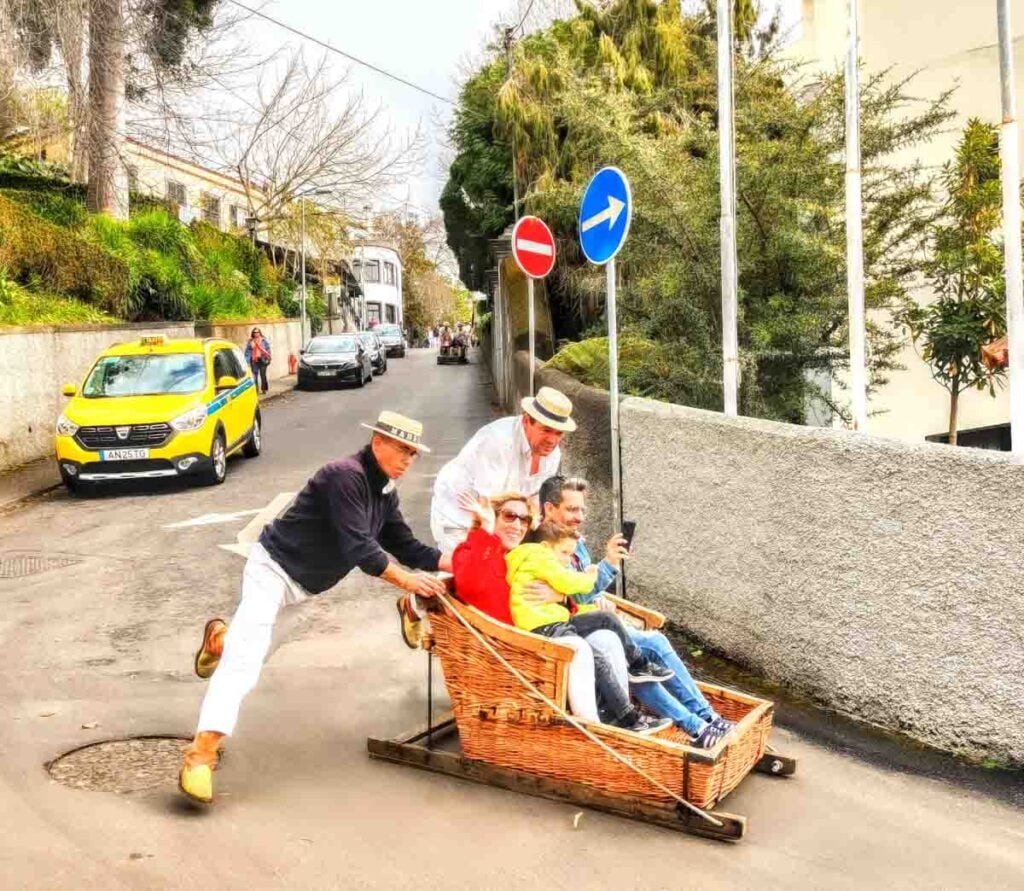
[99, 646]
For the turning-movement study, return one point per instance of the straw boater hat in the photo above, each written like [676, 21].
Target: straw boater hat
[551, 408]
[399, 427]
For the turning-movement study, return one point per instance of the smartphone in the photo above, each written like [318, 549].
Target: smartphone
[628, 531]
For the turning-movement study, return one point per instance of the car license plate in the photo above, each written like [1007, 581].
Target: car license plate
[326, 373]
[123, 454]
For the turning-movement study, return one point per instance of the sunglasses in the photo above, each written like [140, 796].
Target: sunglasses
[511, 516]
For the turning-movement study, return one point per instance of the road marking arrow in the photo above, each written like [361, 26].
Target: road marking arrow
[534, 247]
[211, 519]
[610, 213]
[250, 534]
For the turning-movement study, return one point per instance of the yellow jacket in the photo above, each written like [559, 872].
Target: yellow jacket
[530, 563]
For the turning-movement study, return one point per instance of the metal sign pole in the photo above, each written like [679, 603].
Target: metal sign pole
[855, 230]
[613, 392]
[1009, 151]
[302, 307]
[727, 174]
[533, 329]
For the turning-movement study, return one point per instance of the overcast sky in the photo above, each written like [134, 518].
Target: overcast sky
[430, 44]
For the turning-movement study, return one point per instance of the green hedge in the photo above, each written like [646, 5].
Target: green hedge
[33, 250]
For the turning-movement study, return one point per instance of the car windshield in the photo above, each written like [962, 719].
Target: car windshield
[151, 375]
[332, 345]
[389, 330]
[368, 340]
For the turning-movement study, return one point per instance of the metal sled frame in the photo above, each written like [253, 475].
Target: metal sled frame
[419, 749]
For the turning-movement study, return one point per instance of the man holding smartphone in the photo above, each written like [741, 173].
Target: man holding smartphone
[563, 501]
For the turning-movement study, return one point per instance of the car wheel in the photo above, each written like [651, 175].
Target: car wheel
[71, 483]
[255, 444]
[218, 470]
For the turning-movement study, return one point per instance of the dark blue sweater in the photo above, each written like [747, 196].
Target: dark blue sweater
[340, 520]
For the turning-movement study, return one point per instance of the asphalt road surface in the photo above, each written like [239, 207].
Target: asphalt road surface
[98, 645]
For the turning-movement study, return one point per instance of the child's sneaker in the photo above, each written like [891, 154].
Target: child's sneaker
[709, 737]
[723, 724]
[643, 724]
[645, 672]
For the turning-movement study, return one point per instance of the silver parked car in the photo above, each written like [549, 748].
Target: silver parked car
[393, 338]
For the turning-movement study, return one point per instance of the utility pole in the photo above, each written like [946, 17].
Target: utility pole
[855, 228]
[509, 40]
[727, 177]
[1009, 157]
[302, 305]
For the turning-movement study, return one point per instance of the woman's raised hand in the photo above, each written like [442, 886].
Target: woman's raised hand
[479, 508]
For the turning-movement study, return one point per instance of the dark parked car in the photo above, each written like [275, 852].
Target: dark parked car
[378, 355]
[393, 339]
[335, 358]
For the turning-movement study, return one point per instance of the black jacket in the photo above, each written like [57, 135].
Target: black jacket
[340, 520]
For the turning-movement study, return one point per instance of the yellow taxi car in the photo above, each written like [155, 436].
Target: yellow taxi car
[157, 407]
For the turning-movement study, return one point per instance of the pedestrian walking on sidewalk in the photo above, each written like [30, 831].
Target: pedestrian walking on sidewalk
[257, 354]
[347, 515]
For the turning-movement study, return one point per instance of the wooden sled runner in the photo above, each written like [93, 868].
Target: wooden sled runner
[511, 738]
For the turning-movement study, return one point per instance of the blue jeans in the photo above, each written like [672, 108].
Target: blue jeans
[678, 698]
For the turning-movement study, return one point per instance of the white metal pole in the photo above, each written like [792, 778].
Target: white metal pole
[613, 393]
[1009, 152]
[533, 324]
[855, 228]
[302, 305]
[727, 174]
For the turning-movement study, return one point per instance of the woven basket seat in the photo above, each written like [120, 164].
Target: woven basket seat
[500, 722]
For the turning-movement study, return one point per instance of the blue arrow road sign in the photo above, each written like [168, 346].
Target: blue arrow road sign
[605, 214]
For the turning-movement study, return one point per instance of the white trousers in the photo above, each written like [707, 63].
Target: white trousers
[582, 690]
[266, 588]
[448, 538]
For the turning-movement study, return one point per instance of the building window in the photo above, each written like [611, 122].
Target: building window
[210, 207]
[389, 311]
[133, 177]
[373, 313]
[238, 216]
[389, 273]
[176, 193]
[371, 271]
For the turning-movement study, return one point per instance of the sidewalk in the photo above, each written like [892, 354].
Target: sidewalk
[37, 477]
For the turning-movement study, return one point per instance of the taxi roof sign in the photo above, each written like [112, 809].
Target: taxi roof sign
[153, 340]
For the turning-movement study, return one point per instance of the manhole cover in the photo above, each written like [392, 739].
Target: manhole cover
[18, 566]
[122, 765]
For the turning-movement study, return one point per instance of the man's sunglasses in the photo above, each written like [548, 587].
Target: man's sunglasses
[511, 516]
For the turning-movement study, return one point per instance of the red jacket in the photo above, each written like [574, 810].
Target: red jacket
[479, 568]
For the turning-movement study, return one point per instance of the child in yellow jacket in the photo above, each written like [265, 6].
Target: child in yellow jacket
[547, 560]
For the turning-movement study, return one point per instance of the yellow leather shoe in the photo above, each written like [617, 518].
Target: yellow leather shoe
[412, 627]
[206, 659]
[196, 782]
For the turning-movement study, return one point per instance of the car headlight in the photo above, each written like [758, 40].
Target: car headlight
[191, 420]
[66, 427]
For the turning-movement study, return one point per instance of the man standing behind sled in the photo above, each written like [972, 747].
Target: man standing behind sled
[513, 454]
[346, 516]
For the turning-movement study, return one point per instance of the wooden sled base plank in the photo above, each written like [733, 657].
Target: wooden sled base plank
[776, 765]
[668, 816]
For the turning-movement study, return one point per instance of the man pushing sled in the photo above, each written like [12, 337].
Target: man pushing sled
[347, 515]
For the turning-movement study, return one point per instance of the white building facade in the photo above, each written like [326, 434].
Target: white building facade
[948, 44]
[378, 268]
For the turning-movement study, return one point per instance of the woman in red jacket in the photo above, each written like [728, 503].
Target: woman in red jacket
[478, 564]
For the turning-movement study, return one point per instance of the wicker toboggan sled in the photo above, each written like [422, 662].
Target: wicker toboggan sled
[510, 737]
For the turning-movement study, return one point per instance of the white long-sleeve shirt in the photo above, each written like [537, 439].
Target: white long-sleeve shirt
[496, 460]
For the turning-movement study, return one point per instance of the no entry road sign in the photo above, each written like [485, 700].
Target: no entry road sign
[605, 214]
[533, 247]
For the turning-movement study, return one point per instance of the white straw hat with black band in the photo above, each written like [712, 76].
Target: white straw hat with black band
[399, 427]
[551, 408]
